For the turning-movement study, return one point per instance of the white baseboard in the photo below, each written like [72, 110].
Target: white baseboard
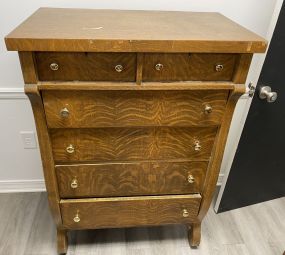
[12, 93]
[11, 186]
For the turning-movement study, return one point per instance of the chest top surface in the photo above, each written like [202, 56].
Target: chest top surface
[56, 29]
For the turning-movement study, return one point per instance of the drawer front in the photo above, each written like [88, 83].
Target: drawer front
[132, 143]
[65, 66]
[130, 179]
[187, 67]
[133, 108]
[129, 211]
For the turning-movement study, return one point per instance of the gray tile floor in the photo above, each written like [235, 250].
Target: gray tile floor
[26, 228]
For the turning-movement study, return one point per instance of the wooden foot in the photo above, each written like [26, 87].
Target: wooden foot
[194, 235]
[62, 241]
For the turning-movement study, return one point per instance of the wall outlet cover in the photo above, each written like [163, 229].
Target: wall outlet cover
[29, 139]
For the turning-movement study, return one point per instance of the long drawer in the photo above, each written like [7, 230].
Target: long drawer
[129, 211]
[155, 143]
[130, 179]
[81, 109]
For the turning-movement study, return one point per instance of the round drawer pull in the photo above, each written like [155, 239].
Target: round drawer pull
[74, 184]
[197, 146]
[219, 67]
[54, 66]
[119, 68]
[185, 213]
[76, 218]
[64, 113]
[158, 67]
[191, 178]
[70, 149]
[208, 109]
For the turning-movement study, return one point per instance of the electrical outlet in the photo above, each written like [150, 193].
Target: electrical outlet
[29, 139]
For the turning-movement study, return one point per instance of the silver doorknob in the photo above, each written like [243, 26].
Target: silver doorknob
[265, 92]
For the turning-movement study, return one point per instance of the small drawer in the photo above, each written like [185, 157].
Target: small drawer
[88, 109]
[129, 211]
[76, 66]
[130, 179]
[119, 144]
[188, 67]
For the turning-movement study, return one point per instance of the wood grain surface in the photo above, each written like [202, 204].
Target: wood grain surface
[242, 68]
[54, 29]
[62, 241]
[187, 67]
[133, 108]
[218, 150]
[139, 133]
[46, 149]
[28, 66]
[130, 179]
[171, 86]
[88, 66]
[129, 211]
[132, 143]
[194, 235]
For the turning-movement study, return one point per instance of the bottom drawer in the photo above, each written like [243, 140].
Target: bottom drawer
[129, 211]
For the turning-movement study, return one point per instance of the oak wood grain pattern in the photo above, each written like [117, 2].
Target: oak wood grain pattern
[218, 151]
[129, 211]
[132, 143]
[62, 241]
[185, 67]
[51, 29]
[45, 150]
[133, 108]
[140, 57]
[130, 179]
[28, 67]
[88, 66]
[89, 86]
[164, 135]
[194, 234]
[242, 68]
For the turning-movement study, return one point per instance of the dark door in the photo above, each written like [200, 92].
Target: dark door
[258, 170]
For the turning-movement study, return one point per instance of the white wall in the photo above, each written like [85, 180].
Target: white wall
[19, 166]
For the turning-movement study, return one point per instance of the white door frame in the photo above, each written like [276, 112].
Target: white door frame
[243, 106]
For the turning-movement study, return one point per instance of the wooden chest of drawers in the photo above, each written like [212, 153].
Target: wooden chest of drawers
[132, 110]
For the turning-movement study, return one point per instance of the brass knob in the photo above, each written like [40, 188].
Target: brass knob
[185, 213]
[208, 109]
[197, 146]
[74, 184]
[64, 113]
[191, 178]
[70, 149]
[219, 67]
[158, 67]
[76, 218]
[54, 66]
[119, 68]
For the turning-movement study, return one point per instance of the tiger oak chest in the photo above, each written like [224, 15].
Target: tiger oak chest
[132, 110]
